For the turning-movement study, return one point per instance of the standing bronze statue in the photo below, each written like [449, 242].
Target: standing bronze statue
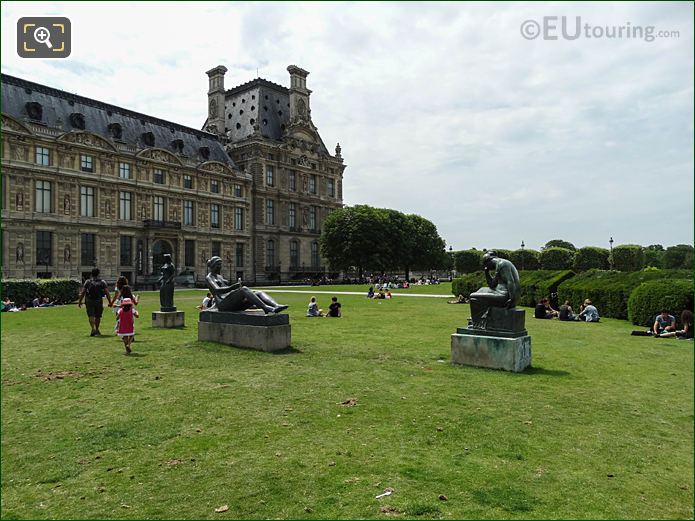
[502, 290]
[236, 297]
[166, 288]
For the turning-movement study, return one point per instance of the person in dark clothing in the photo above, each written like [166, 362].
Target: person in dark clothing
[334, 308]
[93, 292]
[543, 310]
[566, 313]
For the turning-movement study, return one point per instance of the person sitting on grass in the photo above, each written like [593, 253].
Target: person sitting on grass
[388, 294]
[543, 310]
[460, 300]
[687, 332]
[380, 295]
[334, 308]
[589, 313]
[664, 323]
[313, 309]
[370, 293]
[566, 313]
[207, 302]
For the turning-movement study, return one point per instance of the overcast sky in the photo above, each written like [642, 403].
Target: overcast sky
[444, 110]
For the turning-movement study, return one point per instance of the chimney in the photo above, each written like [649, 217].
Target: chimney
[299, 95]
[216, 100]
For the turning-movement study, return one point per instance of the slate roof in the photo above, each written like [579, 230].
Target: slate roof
[58, 106]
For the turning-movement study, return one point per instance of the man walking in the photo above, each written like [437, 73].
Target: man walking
[93, 292]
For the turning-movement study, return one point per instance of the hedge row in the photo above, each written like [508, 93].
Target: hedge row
[610, 290]
[60, 291]
[649, 298]
[534, 284]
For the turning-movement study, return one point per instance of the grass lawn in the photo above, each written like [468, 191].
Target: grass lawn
[600, 427]
[434, 289]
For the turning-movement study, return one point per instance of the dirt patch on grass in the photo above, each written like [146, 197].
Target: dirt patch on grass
[57, 375]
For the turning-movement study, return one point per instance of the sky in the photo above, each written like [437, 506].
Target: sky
[453, 111]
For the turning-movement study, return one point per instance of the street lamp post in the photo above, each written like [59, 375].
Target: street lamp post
[522, 254]
[610, 257]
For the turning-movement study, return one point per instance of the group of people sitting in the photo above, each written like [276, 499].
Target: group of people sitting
[38, 302]
[380, 293]
[334, 309]
[587, 311]
[665, 325]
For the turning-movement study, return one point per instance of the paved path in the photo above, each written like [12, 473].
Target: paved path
[274, 290]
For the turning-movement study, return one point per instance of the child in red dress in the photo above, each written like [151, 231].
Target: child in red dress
[126, 323]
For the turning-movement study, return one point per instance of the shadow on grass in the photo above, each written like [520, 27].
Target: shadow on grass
[287, 351]
[543, 371]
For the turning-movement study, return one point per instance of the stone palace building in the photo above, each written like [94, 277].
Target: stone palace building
[86, 184]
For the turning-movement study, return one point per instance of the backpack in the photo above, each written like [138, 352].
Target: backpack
[94, 290]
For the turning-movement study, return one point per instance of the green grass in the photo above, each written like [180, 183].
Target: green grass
[436, 289]
[600, 427]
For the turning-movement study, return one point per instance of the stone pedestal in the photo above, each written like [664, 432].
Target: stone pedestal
[495, 338]
[250, 329]
[168, 319]
[510, 354]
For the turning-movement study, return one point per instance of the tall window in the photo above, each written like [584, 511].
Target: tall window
[43, 197]
[270, 253]
[238, 191]
[43, 156]
[88, 249]
[216, 248]
[215, 186]
[87, 201]
[44, 255]
[331, 187]
[158, 207]
[269, 175]
[126, 250]
[215, 215]
[315, 257]
[238, 218]
[188, 213]
[293, 180]
[312, 218]
[239, 254]
[158, 176]
[269, 211]
[312, 184]
[125, 209]
[294, 254]
[124, 170]
[293, 215]
[86, 163]
[189, 253]
[187, 181]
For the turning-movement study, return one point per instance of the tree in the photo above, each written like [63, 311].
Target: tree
[424, 247]
[654, 255]
[556, 258]
[679, 256]
[559, 243]
[591, 257]
[628, 257]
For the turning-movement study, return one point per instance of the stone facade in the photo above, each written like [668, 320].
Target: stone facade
[85, 183]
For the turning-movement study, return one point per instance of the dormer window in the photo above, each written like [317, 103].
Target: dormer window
[204, 152]
[148, 138]
[34, 110]
[177, 146]
[77, 120]
[115, 130]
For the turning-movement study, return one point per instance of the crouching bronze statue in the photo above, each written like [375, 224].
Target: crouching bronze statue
[235, 297]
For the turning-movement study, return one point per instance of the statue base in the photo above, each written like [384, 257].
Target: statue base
[501, 322]
[250, 329]
[493, 352]
[168, 319]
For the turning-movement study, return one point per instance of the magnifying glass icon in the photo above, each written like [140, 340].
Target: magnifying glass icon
[43, 35]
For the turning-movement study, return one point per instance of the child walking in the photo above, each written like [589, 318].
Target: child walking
[126, 323]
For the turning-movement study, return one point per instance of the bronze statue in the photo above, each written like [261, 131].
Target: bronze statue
[502, 290]
[166, 289]
[236, 297]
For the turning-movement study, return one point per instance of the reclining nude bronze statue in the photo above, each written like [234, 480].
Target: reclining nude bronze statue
[236, 297]
[502, 290]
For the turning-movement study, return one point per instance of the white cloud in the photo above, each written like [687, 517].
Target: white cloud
[441, 109]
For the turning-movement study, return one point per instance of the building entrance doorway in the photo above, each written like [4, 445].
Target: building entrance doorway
[159, 249]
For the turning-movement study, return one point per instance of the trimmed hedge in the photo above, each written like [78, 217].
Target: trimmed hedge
[468, 261]
[610, 290]
[526, 259]
[649, 298]
[534, 284]
[679, 256]
[60, 291]
[559, 243]
[591, 257]
[557, 259]
[628, 257]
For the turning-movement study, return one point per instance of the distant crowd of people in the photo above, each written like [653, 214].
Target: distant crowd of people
[8, 306]
[587, 311]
